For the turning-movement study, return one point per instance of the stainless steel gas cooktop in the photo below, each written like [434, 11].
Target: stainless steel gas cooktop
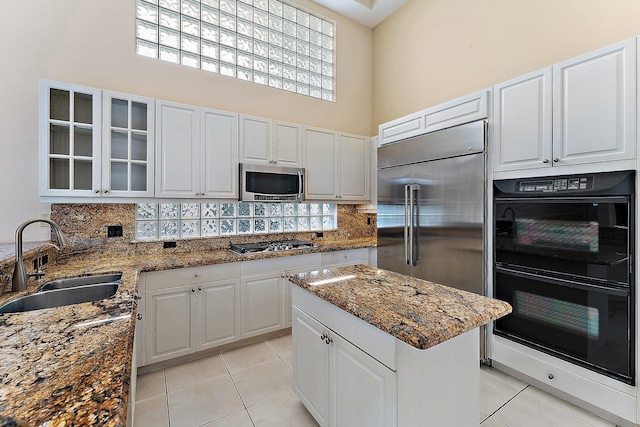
[259, 247]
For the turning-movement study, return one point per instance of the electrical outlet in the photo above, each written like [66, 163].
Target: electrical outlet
[114, 231]
[320, 234]
[167, 245]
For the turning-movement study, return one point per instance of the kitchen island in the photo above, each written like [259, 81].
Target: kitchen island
[377, 348]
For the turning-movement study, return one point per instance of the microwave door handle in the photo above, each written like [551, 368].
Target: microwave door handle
[300, 184]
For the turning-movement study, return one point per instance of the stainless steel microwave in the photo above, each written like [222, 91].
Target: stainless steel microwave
[271, 183]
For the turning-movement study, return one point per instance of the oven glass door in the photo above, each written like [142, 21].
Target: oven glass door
[276, 184]
[585, 324]
[565, 237]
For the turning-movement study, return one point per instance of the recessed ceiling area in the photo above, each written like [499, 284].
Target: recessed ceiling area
[367, 12]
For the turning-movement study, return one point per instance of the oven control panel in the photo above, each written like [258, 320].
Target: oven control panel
[549, 185]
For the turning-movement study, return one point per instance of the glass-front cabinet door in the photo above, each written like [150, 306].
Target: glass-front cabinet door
[70, 126]
[127, 145]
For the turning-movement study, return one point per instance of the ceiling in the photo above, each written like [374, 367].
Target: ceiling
[367, 12]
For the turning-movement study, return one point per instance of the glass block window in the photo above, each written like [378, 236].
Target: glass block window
[175, 220]
[268, 42]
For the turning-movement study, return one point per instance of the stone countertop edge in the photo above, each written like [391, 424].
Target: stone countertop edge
[74, 367]
[415, 311]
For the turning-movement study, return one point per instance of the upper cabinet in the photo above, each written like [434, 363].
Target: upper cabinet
[70, 143]
[127, 145]
[196, 152]
[95, 143]
[466, 109]
[264, 141]
[336, 166]
[579, 111]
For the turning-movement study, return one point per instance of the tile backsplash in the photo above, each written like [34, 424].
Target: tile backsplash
[86, 227]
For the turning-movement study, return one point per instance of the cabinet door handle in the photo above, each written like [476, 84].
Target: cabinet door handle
[322, 337]
[193, 290]
[329, 340]
[551, 376]
[139, 316]
[97, 191]
[199, 289]
[556, 160]
[106, 191]
[545, 161]
[196, 275]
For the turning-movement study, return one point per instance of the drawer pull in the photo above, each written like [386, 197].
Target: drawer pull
[551, 376]
[196, 275]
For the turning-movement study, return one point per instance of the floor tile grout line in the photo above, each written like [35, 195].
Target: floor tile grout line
[166, 396]
[505, 403]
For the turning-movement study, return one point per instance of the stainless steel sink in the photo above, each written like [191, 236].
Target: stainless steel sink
[82, 281]
[70, 291]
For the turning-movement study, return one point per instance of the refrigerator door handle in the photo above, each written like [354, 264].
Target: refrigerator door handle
[406, 224]
[415, 217]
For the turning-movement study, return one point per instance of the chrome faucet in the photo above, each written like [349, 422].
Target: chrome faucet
[20, 276]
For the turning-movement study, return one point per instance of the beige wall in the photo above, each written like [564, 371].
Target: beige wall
[431, 51]
[91, 42]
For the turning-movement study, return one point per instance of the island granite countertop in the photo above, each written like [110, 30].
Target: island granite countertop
[418, 312]
[71, 365]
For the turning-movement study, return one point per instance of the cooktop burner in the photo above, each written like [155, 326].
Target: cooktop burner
[259, 247]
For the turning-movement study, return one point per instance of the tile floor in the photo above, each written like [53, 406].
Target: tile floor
[251, 386]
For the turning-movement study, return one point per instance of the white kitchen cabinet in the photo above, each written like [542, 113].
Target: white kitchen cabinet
[354, 167]
[579, 111]
[336, 166]
[177, 150]
[170, 323]
[196, 152]
[128, 143]
[70, 140]
[462, 110]
[265, 292]
[190, 309]
[347, 257]
[522, 122]
[264, 141]
[262, 300]
[95, 143]
[594, 106]
[339, 383]
[219, 158]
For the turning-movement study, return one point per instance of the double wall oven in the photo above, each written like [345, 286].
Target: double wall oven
[564, 259]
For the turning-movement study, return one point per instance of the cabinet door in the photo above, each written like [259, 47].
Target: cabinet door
[219, 159]
[522, 127]
[127, 145]
[594, 106]
[170, 323]
[354, 167]
[363, 389]
[218, 313]
[70, 133]
[177, 150]
[255, 140]
[261, 304]
[287, 144]
[311, 366]
[321, 164]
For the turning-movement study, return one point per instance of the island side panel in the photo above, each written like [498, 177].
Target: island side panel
[439, 386]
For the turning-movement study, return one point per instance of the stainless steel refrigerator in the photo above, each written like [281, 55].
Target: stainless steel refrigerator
[431, 208]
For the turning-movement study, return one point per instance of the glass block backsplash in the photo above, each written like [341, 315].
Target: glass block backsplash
[174, 220]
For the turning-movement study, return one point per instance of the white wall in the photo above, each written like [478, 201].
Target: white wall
[92, 43]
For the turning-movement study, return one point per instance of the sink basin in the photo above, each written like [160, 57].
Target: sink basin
[61, 297]
[82, 281]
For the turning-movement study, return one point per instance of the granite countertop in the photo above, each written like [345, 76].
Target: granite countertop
[418, 312]
[72, 365]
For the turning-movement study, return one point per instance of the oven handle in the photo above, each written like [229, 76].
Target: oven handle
[564, 282]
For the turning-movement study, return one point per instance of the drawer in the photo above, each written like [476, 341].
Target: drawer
[349, 257]
[191, 275]
[284, 263]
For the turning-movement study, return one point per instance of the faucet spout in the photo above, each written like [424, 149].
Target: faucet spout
[20, 276]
